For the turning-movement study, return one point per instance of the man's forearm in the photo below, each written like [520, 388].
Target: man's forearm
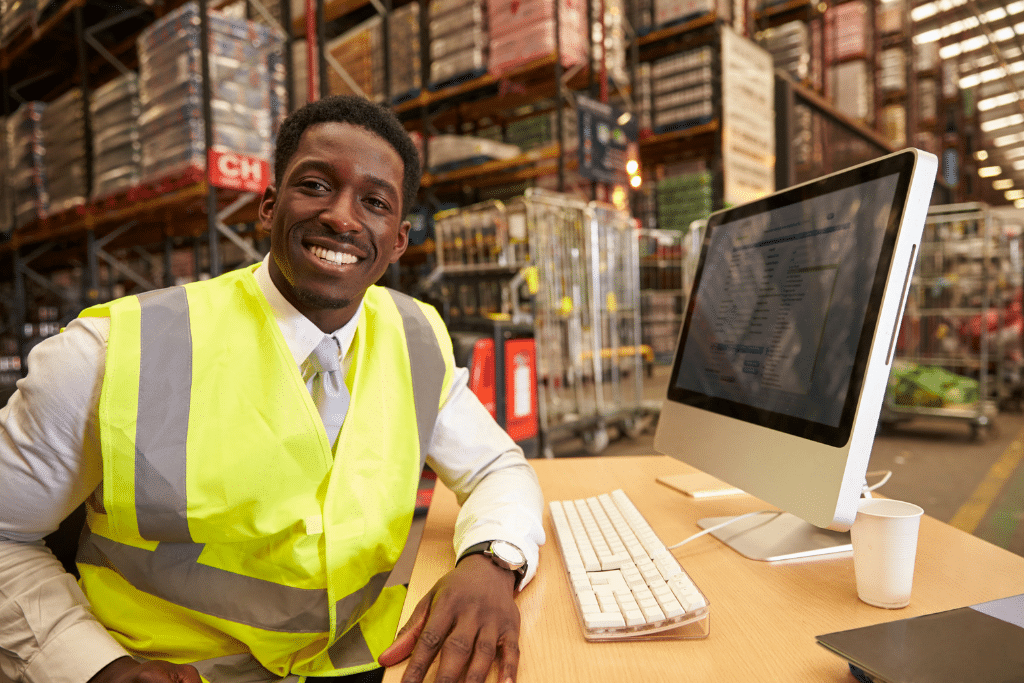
[45, 620]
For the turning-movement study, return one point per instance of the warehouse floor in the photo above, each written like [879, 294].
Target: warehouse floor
[976, 484]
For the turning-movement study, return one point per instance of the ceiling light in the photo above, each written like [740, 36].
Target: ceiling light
[998, 101]
[1018, 165]
[1002, 184]
[989, 171]
[1003, 122]
[1004, 140]
[981, 155]
[995, 14]
[1012, 195]
[1019, 204]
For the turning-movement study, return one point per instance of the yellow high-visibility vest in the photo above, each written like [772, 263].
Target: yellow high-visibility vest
[226, 533]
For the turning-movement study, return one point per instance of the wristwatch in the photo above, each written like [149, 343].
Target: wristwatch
[503, 554]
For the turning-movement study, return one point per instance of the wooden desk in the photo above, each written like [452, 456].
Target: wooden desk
[764, 617]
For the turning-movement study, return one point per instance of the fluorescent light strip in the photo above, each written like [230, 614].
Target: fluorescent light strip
[998, 101]
[1002, 122]
[1004, 140]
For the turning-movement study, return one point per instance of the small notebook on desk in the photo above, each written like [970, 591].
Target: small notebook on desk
[979, 644]
[698, 485]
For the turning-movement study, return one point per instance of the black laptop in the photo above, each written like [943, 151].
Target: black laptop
[979, 644]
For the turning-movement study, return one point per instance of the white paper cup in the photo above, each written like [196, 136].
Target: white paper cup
[884, 537]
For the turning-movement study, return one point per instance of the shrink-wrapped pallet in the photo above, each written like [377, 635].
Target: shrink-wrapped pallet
[27, 181]
[242, 76]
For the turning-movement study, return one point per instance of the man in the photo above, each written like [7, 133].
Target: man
[232, 530]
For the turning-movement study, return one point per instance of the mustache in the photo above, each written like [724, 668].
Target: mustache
[366, 245]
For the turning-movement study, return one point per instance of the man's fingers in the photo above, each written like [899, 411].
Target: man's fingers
[186, 673]
[484, 651]
[508, 647]
[407, 636]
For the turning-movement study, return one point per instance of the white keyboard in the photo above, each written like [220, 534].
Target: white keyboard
[626, 583]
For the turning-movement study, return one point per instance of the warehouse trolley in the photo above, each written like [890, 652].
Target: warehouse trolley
[567, 272]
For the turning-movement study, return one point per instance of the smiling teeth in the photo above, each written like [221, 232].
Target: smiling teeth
[332, 256]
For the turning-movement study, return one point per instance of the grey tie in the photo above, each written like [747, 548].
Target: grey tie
[328, 386]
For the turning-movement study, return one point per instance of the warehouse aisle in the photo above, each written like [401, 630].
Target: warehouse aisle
[975, 484]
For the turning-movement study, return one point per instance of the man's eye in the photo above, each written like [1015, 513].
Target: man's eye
[315, 185]
[378, 203]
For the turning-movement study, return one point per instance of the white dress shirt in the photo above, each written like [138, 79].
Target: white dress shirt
[50, 462]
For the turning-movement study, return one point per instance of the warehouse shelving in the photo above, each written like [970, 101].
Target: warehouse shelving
[130, 241]
[195, 215]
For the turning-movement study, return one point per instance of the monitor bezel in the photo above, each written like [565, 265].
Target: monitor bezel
[838, 435]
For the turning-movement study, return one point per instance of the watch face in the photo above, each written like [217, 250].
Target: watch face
[508, 553]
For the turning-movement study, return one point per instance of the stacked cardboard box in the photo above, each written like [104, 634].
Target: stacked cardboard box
[523, 31]
[681, 89]
[847, 32]
[892, 70]
[355, 51]
[170, 90]
[790, 47]
[63, 127]
[894, 124]
[667, 12]
[116, 142]
[27, 150]
[642, 99]
[850, 85]
[404, 42]
[446, 152]
[360, 53]
[539, 130]
[890, 15]
[683, 199]
[458, 40]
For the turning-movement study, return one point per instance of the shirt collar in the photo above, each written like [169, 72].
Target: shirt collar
[300, 334]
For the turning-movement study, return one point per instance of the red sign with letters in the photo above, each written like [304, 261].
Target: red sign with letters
[234, 171]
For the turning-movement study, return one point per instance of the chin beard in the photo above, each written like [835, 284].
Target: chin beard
[316, 301]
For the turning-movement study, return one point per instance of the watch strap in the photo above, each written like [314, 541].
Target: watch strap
[482, 548]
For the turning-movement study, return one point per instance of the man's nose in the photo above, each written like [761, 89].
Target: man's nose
[341, 214]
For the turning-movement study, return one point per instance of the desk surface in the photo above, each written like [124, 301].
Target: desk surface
[764, 617]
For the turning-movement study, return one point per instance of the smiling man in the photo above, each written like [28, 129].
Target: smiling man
[238, 528]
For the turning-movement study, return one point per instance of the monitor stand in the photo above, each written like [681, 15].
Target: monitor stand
[776, 536]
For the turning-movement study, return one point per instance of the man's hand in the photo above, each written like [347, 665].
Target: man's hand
[127, 670]
[470, 619]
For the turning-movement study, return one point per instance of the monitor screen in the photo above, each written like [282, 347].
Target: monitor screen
[784, 354]
[781, 308]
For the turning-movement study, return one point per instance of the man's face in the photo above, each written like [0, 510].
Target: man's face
[336, 221]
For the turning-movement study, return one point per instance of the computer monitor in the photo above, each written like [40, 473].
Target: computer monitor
[786, 345]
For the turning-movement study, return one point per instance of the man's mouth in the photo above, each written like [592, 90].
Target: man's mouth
[336, 257]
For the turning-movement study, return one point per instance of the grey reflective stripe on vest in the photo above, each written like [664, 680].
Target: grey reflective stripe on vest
[172, 573]
[428, 367]
[161, 499]
[242, 668]
[165, 381]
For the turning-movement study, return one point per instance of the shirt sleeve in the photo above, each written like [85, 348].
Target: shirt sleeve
[491, 478]
[49, 463]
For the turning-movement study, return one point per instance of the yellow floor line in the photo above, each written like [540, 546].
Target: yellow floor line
[970, 514]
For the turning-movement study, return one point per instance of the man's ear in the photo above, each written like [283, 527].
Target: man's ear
[266, 208]
[401, 241]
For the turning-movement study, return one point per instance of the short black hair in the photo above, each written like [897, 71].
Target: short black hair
[357, 111]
